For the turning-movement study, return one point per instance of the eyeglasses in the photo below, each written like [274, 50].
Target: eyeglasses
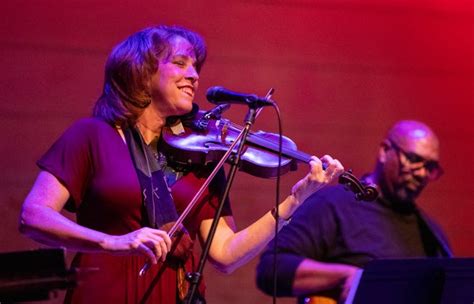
[416, 162]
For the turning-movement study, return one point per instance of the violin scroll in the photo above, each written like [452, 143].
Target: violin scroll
[362, 192]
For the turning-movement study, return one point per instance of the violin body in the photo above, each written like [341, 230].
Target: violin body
[197, 145]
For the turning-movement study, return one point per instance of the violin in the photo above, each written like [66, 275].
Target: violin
[201, 139]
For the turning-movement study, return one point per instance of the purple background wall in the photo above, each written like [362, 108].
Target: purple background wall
[343, 70]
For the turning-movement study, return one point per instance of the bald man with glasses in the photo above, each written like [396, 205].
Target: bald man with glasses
[333, 235]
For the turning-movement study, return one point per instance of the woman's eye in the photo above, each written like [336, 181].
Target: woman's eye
[180, 63]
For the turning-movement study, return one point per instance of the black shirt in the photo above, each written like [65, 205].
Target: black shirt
[331, 226]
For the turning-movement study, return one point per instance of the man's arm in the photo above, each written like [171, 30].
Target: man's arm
[298, 276]
[310, 238]
[313, 277]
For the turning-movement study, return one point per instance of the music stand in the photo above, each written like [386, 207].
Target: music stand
[420, 281]
[32, 275]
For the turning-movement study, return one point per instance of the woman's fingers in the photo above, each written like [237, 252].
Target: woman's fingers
[333, 167]
[147, 250]
[164, 235]
[317, 177]
[158, 240]
[315, 165]
[152, 243]
[162, 249]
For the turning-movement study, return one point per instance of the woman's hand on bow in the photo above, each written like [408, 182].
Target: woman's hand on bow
[149, 242]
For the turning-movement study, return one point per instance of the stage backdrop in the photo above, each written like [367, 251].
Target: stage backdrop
[343, 71]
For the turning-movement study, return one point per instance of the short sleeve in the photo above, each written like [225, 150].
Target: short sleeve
[69, 160]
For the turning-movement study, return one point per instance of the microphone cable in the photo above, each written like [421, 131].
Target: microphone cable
[277, 202]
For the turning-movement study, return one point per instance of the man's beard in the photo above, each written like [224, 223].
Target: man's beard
[403, 192]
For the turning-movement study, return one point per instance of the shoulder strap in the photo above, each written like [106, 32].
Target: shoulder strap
[156, 194]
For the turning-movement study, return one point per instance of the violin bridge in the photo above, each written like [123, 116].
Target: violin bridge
[224, 132]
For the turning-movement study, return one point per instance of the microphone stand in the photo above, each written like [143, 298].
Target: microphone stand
[195, 277]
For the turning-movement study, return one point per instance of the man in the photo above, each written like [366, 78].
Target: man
[333, 235]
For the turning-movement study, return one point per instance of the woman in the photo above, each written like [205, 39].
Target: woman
[108, 170]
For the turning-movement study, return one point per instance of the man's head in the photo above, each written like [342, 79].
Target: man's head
[408, 160]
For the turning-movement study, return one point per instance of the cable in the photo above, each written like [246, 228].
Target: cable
[277, 202]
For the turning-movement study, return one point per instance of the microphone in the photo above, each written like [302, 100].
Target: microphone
[219, 95]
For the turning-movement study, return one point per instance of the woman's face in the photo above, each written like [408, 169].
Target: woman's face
[174, 84]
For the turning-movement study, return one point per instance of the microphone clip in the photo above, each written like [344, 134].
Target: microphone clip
[214, 113]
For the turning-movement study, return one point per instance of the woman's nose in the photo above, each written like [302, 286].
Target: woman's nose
[192, 74]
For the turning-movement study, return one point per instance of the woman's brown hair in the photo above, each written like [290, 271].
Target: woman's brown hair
[130, 66]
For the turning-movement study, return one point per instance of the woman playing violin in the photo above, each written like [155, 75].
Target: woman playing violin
[108, 170]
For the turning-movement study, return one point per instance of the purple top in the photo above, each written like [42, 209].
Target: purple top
[93, 162]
